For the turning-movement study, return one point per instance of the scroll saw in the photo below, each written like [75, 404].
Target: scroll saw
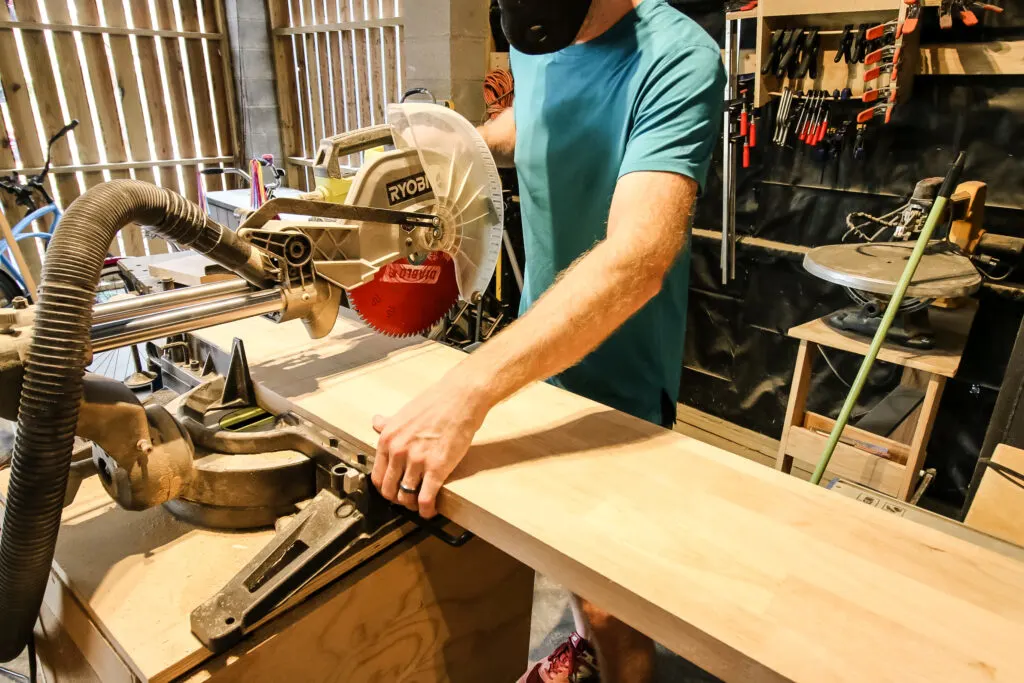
[869, 270]
[420, 227]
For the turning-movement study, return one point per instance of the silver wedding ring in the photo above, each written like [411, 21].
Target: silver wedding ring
[411, 491]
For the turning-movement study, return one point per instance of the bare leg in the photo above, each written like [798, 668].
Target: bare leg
[624, 654]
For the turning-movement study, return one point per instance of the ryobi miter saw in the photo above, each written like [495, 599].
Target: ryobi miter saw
[420, 227]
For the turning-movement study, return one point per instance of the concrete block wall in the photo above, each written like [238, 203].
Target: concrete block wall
[252, 61]
[446, 50]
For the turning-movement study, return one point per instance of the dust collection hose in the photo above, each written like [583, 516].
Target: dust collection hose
[55, 367]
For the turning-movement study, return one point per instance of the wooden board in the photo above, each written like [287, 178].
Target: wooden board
[998, 507]
[999, 57]
[125, 583]
[951, 329]
[190, 269]
[848, 462]
[751, 574]
[423, 614]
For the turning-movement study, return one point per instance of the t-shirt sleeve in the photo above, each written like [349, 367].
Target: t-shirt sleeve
[678, 116]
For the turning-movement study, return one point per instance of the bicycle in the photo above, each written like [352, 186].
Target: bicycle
[25, 195]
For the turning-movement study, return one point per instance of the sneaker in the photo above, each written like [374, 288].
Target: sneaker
[574, 661]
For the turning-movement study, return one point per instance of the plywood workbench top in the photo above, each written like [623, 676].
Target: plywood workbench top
[751, 574]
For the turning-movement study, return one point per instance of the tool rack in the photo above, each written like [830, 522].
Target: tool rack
[830, 18]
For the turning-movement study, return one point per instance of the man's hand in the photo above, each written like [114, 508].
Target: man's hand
[648, 225]
[421, 445]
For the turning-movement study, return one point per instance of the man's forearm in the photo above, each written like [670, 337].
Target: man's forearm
[592, 299]
[500, 136]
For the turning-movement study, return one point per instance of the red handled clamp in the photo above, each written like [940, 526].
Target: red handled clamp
[890, 53]
[877, 110]
[885, 94]
[873, 73]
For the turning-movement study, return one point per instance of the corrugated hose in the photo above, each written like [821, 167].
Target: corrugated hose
[55, 368]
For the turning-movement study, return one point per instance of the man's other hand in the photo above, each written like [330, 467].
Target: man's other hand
[421, 445]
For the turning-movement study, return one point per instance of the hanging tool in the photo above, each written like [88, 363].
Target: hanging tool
[782, 115]
[860, 44]
[934, 217]
[733, 34]
[809, 54]
[846, 46]
[882, 31]
[878, 110]
[859, 151]
[791, 54]
[874, 72]
[912, 17]
[779, 40]
[966, 11]
[946, 14]
[885, 94]
[891, 53]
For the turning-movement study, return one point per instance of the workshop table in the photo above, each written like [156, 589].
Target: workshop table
[890, 464]
[748, 573]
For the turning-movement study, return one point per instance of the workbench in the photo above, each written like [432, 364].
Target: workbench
[750, 574]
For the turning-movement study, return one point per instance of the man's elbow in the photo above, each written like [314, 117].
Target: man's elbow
[650, 278]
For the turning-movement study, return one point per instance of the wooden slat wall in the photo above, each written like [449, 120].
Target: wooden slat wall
[148, 80]
[338, 66]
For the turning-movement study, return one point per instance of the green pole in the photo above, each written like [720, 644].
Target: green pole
[934, 216]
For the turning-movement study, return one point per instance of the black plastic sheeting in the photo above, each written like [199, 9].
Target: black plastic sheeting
[739, 363]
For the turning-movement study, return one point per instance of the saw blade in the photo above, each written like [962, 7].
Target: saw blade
[465, 183]
[404, 298]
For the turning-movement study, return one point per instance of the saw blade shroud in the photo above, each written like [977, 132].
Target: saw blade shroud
[406, 298]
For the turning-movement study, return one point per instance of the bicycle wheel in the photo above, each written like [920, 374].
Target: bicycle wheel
[9, 288]
[123, 364]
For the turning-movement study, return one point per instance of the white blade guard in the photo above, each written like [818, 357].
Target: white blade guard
[464, 177]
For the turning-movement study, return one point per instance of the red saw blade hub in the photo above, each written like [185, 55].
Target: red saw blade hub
[404, 299]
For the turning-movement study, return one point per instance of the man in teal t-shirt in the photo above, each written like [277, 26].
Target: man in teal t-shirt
[617, 108]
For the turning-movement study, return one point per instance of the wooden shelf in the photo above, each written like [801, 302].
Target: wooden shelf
[997, 58]
[746, 14]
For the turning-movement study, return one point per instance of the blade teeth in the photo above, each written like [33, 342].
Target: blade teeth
[398, 335]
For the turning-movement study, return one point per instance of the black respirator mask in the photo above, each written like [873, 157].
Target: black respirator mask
[538, 27]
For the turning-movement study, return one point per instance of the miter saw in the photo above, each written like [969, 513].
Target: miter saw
[953, 266]
[420, 227]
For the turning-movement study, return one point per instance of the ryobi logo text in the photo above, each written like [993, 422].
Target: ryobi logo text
[407, 188]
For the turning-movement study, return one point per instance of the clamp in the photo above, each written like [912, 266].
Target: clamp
[888, 53]
[790, 52]
[882, 31]
[809, 51]
[846, 47]
[873, 73]
[911, 19]
[779, 40]
[887, 94]
[967, 15]
[860, 43]
[877, 110]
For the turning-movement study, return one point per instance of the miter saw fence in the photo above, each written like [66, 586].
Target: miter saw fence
[424, 220]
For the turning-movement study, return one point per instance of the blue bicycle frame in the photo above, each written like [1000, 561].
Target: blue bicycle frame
[20, 235]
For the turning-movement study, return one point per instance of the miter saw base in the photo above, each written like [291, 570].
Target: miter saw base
[910, 329]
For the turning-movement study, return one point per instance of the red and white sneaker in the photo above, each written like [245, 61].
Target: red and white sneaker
[574, 661]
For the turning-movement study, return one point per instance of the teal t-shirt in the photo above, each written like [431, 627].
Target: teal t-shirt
[647, 95]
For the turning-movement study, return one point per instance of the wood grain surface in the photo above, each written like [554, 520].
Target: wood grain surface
[951, 329]
[751, 574]
[998, 506]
